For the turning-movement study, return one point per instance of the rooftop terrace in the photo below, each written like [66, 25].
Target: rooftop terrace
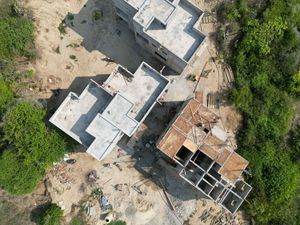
[181, 35]
[100, 116]
[160, 10]
[174, 26]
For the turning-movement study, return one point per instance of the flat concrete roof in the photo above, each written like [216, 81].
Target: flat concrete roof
[100, 116]
[142, 88]
[76, 112]
[136, 3]
[154, 9]
[105, 134]
[174, 25]
[180, 35]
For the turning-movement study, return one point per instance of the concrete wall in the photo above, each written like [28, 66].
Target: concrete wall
[125, 12]
[170, 59]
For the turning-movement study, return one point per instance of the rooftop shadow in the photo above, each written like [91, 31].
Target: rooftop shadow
[151, 162]
[77, 86]
[100, 29]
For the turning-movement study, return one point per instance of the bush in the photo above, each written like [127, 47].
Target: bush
[117, 222]
[6, 96]
[266, 66]
[295, 143]
[16, 34]
[51, 216]
[76, 221]
[31, 148]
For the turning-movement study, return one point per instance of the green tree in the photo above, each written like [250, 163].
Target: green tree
[266, 66]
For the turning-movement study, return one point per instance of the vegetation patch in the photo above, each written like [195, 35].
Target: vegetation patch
[16, 35]
[12, 215]
[97, 15]
[77, 221]
[6, 96]
[117, 222]
[62, 27]
[52, 216]
[29, 148]
[266, 63]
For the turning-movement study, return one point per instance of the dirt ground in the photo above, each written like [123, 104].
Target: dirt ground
[134, 187]
[91, 49]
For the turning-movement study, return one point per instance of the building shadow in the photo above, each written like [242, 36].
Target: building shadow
[77, 86]
[151, 162]
[102, 31]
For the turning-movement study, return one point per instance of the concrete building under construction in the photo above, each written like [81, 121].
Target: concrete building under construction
[169, 29]
[102, 114]
[200, 148]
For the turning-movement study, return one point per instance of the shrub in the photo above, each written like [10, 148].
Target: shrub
[117, 222]
[76, 221]
[62, 28]
[6, 96]
[31, 148]
[52, 215]
[16, 34]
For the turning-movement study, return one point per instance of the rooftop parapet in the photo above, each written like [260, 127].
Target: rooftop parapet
[101, 115]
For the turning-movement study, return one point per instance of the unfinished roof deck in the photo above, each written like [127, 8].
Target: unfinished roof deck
[198, 124]
[173, 24]
[199, 145]
[100, 116]
[154, 9]
[180, 35]
[143, 88]
[77, 112]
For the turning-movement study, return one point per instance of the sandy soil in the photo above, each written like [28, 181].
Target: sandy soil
[117, 174]
[91, 42]
[63, 59]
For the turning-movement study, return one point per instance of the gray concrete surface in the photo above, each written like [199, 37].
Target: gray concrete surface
[101, 115]
[168, 30]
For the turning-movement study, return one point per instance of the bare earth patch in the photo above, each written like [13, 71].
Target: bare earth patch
[88, 49]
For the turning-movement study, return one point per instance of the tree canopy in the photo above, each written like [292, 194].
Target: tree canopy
[30, 148]
[266, 65]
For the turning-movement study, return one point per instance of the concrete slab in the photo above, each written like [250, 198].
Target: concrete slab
[154, 9]
[77, 112]
[143, 88]
[179, 36]
[101, 115]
